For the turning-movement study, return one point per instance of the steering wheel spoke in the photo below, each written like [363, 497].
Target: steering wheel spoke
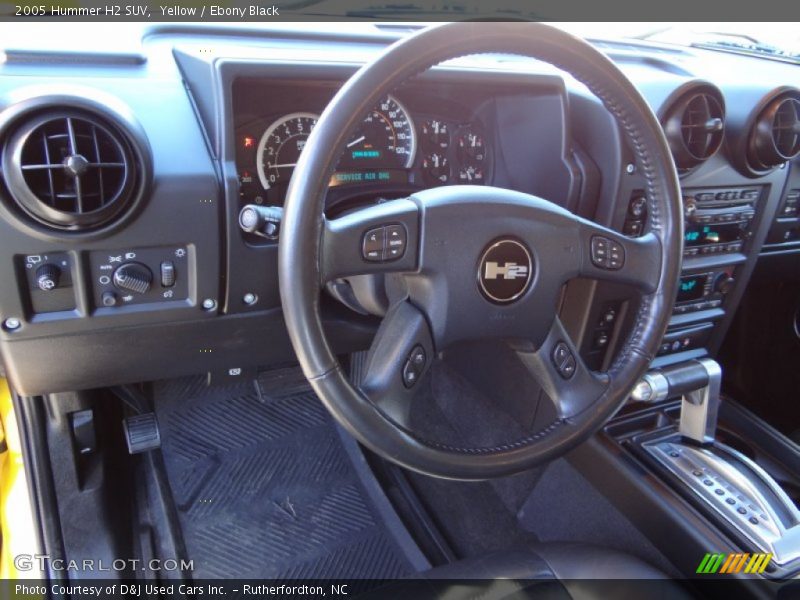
[382, 238]
[562, 373]
[610, 256]
[399, 358]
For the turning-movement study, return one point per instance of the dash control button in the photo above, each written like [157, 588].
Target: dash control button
[167, 274]
[372, 248]
[395, 242]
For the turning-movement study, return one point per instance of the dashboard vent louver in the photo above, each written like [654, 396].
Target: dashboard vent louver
[775, 137]
[695, 125]
[70, 170]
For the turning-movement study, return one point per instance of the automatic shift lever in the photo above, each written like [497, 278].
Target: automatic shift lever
[745, 496]
[698, 382]
[700, 407]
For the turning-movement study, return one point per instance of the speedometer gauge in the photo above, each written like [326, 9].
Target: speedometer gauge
[280, 147]
[386, 138]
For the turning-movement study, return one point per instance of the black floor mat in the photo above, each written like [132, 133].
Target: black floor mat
[265, 487]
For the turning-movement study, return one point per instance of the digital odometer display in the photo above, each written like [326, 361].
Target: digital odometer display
[691, 288]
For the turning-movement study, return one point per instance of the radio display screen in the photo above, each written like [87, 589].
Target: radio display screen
[703, 235]
[691, 287]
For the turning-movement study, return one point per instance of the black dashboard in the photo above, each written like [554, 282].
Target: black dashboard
[142, 270]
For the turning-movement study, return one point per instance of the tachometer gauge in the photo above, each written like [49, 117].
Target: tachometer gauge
[280, 147]
[386, 138]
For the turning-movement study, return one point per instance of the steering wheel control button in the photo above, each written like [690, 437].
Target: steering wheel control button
[561, 353]
[414, 366]
[505, 271]
[564, 360]
[607, 254]
[394, 242]
[372, 249]
[384, 244]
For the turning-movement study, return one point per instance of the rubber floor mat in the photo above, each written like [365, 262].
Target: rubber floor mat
[265, 487]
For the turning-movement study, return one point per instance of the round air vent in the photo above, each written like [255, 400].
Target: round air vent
[775, 136]
[70, 170]
[694, 125]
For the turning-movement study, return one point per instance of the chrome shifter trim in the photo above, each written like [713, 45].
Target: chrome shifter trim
[737, 489]
[699, 408]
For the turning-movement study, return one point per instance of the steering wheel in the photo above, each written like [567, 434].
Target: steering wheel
[470, 262]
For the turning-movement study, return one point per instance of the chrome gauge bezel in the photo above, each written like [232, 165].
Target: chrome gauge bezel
[262, 143]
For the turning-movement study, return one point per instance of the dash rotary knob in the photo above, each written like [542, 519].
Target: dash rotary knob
[133, 277]
[47, 277]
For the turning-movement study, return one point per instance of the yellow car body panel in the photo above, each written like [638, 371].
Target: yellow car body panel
[16, 519]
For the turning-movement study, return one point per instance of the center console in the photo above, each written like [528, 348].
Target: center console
[719, 238]
[738, 493]
[715, 487]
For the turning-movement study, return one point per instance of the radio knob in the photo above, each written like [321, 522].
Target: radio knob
[134, 277]
[724, 283]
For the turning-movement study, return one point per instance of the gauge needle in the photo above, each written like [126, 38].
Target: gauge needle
[354, 142]
[283, 166]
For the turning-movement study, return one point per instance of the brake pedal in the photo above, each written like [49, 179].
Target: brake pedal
[141, 433]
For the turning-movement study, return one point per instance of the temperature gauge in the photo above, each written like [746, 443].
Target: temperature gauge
[436, 134]
[436, 168]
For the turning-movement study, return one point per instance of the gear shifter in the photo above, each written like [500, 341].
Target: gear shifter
[698, 382]
[745, 497]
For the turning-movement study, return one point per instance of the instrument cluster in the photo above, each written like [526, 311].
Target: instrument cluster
[392, 147]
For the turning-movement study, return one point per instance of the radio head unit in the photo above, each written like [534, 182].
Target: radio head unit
[718, 220]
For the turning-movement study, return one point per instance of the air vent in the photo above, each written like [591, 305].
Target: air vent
[70, 170]
[775, 137]
[694, 125]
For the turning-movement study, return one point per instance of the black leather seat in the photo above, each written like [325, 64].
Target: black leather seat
[557, 571]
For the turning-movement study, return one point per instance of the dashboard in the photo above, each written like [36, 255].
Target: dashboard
[125, 173]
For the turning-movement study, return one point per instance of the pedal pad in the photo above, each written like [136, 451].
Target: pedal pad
[141, 433]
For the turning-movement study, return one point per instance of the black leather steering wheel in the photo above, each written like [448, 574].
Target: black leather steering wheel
[477, 263]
